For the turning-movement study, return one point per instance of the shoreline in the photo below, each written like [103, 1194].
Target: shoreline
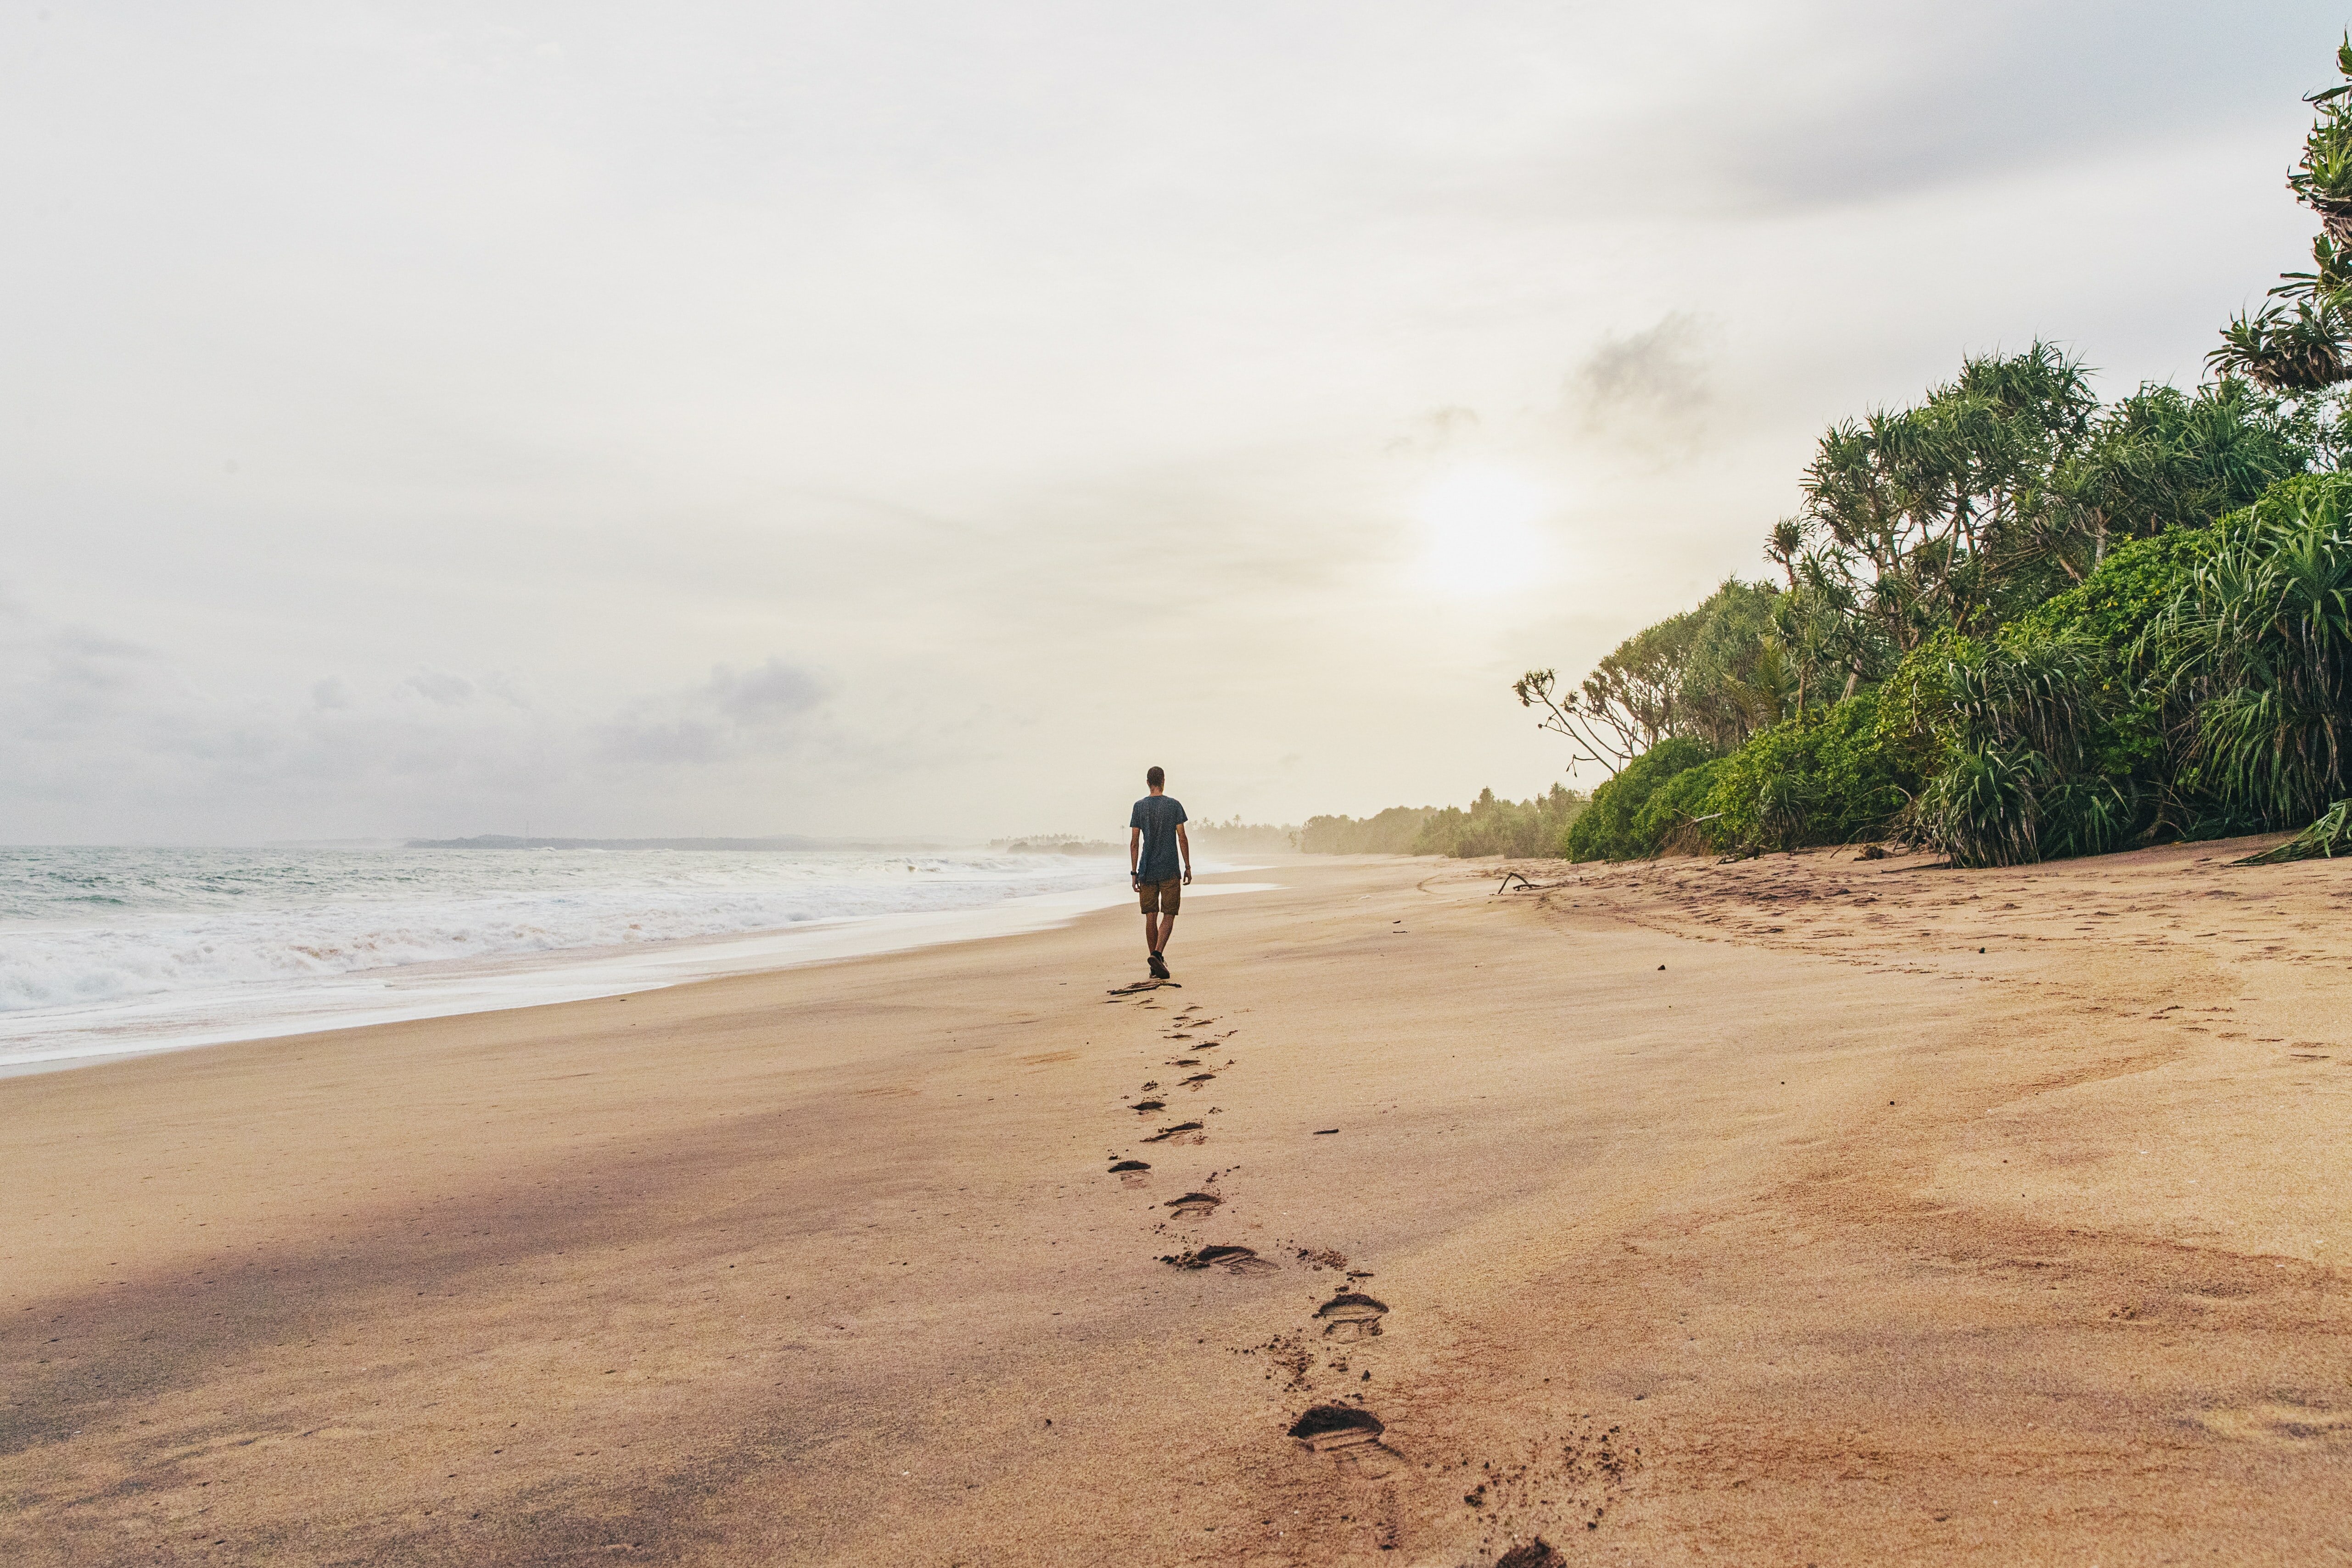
[1686, 1212]
[51, 1041]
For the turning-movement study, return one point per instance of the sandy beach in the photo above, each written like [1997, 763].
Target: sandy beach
[1802, 1210]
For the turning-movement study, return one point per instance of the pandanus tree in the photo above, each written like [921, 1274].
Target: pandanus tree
[2019, 780]
[2164, 459]
[2256, 654]
[1934, 517]
[2298, 341]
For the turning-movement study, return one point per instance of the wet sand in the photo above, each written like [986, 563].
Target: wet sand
[1804, 1210]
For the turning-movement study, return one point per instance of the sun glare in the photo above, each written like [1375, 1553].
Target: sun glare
[1479, 529]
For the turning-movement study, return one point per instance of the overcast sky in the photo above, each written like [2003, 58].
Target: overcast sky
[873, 417]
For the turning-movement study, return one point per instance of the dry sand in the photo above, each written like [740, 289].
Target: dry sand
[1800, 1211]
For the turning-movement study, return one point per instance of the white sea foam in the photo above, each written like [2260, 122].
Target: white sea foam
[104, 952]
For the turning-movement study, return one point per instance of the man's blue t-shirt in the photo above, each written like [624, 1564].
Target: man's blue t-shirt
[1158, 815]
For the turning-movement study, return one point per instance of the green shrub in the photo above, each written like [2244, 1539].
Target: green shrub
[1681, 817]
[2049, 740]
[1830, 775]
[1607, 828]
[2115, 604]
[2041, 749]
[2254, 656]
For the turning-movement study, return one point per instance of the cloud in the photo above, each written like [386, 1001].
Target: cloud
[1825, 104]
[734, 715]
[650, 737]
[440, 686]
[58, 683]
[1651, 388]
[1437, 431]
[770, 693]
[91, 663]
[103, 737]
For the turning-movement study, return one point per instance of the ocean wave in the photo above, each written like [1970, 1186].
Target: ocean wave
[184, 922]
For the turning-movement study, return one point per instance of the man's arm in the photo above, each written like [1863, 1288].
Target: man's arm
[1135, 854]
[1185, 845]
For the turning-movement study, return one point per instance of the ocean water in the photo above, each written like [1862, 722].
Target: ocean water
[108, 952]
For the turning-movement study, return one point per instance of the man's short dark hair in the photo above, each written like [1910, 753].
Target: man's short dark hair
[1155, 778]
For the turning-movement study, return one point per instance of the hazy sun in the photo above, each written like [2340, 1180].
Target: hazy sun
[1479, 529]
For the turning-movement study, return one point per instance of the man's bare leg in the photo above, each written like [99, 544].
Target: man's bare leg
[1167, 929]
[1150, 932]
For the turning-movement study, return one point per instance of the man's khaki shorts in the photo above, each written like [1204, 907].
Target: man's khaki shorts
[1161, 898]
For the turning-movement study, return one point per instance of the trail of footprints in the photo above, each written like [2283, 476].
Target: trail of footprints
[1558, 1484]
[1351, 1315]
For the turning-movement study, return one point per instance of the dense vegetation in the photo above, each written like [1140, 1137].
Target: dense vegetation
[1235, 836]
[2015, 623]
[1496, 827]
[1389, 833]
[1491, 827]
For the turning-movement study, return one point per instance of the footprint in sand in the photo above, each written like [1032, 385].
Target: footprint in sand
[1199, 1082]
[1182, 1132]
[1352, 1315]
[1328, 1427]
[1193, 1206]
[2279, 1423]
[1231, 1260]
[1143, 986]
[1146, 1107]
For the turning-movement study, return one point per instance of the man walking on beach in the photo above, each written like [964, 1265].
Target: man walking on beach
[1155, 833]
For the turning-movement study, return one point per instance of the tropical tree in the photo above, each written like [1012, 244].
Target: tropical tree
[1737, 678]
[2296, 342]
[2018, 626]
[1824, 638]
[1628, 704]
[1717, 673]
[2162, 458]
[2256, 657]
[1493, 825]
[1943, 515]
